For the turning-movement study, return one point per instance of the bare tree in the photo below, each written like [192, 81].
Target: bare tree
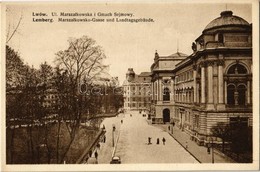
[11, 32]
[83, 59]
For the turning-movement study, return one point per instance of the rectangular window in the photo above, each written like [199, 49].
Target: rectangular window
[196, 121]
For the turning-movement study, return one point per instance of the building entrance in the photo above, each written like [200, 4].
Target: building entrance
[166, 115]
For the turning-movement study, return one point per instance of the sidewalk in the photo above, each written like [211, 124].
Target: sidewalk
[106, 149]
[199, 152]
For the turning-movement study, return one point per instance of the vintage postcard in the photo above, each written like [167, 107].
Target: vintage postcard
[130, 86]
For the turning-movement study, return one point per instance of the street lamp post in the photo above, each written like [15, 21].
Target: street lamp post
[113, 130]
[212, 150]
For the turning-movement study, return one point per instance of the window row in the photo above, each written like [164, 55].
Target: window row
[139, 99]
[185, 96]
[130, 105]
[185, 76]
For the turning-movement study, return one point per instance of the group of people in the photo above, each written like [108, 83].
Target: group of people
[157, 142]
[90, 159]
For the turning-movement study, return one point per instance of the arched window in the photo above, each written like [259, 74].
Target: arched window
[237, 69]
[231, 95]
[237, 85]
[241, 89]
[166, 94]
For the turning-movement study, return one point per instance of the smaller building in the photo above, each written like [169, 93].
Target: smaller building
[162, 107]
[137, 90]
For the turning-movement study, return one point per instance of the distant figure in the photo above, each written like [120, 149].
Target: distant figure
[121, 121]
[104, 127]
[98, 146]
[90, 153]
[163, 140]
[104, 139]
[149, 140]
[130, 115]
[186, 145]
[158, 141]
[169, 128]
[96, 155]
[208, 150]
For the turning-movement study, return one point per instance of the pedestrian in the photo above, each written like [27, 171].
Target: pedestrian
[158, 141]
[121, 121]
[90, 153]
[96, 155]
[186, 145]
[169, 128]
[98, 146]
[163, 140]
[149, 140]
[208, 149]
[104, 139]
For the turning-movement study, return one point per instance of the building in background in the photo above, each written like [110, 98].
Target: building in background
[137, 91]
[162, 86]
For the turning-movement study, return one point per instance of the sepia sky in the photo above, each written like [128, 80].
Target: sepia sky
[125, 44]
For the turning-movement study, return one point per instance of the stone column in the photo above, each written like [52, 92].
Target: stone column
[160, 89]
[152, 93]
[172, 90]
[248, 93]
[157, 93]
[203, 83]
[225, 86]
[221, 85]
[210, 90]
[194, 83]
[197, 98]
[210, 82]
[220, 82]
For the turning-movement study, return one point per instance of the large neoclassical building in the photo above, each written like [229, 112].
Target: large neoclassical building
[212, 85]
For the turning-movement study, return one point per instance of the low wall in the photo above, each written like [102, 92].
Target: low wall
[91, 147]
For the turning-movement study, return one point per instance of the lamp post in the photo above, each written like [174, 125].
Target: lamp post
[113, 130]
[212, 150]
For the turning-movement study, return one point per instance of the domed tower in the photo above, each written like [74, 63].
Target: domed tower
[227, 30]
[130, 75]
[222, 74]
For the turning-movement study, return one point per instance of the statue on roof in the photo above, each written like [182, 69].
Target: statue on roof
[194, 47]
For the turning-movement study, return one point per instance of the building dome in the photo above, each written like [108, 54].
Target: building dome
[130, 71]
[226, 19]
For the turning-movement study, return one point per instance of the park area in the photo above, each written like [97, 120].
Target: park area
[51, 143]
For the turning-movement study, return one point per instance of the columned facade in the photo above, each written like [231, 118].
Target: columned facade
[213, 86]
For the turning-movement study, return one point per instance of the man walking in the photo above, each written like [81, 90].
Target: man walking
[158, 141]
[163, 140]
[96, 155]
[149, 140]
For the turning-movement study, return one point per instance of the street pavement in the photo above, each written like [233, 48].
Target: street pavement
[132, 146]
[200, 152]
[106, 149]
